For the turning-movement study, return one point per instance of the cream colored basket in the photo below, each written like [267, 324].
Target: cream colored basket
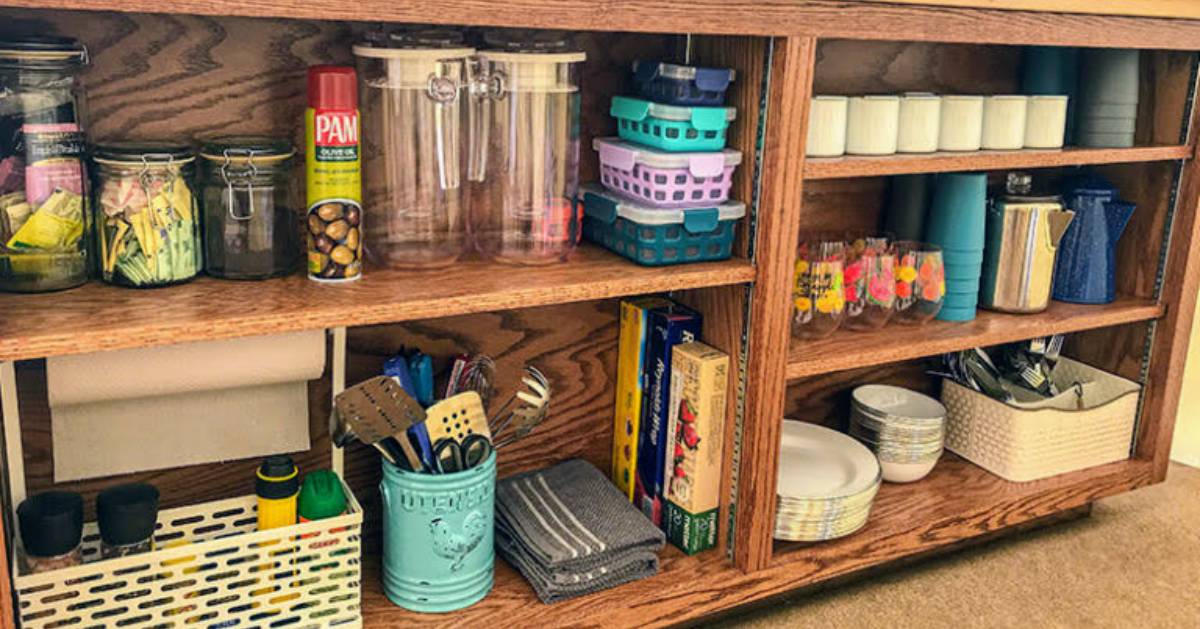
[1087, 425]
[211, 568]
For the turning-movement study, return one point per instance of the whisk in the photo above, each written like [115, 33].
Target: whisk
[523, 411]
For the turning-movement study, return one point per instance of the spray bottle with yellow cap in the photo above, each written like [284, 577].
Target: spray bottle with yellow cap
[277, 486]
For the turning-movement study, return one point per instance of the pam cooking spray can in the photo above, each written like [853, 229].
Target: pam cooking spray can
[334, 175]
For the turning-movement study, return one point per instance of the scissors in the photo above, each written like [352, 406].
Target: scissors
[452, 456]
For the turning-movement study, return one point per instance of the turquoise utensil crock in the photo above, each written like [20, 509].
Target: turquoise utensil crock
[438, 534]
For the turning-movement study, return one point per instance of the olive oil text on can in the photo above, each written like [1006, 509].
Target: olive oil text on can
[333, 174]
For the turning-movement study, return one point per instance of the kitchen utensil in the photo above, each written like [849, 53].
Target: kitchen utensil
[1023, 233]
[477, 374]
[1046, 122]
[455, 456]
[414, 87]
[1004, 121]
[920, 122]
[420, 368]
[908, 203]
[961, 126]
[920, 281]
[1087, 255]
[372, 411]
[827, 126]
[524, 411]
[457, 418]
[527, 112]
[873, 124]
[818, 285]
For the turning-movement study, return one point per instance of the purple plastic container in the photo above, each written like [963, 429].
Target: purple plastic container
[666, 180]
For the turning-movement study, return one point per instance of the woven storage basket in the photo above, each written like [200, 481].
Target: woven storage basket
[211, 568]
[1088, 425]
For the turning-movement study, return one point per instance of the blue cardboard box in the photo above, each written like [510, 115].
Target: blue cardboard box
[669, 326]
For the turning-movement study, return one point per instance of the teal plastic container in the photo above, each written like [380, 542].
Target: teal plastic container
[671, 127]
[438, 537]
[963, 271]
[655, 236]
[956, 216]
[963, 286]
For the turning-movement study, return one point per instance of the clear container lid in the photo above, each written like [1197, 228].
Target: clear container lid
[704, 118]
[144, 153]
[603, 205]
[42, 52]
[247, 149]
[624, 155]
[711, 79]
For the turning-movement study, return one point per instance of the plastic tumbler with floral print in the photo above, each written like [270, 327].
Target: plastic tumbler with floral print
[818, 294]
[870, 283]
[920, 281]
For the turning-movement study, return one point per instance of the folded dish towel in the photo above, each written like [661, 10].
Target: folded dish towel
[571, 532]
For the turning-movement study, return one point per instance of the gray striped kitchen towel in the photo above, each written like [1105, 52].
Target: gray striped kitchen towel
[571, 532]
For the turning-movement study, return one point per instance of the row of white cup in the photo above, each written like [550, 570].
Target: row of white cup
[924, 123]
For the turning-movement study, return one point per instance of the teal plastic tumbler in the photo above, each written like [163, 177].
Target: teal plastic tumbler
[956, 216]
[438, 537]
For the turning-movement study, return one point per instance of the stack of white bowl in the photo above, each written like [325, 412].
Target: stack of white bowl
[905, 429]
[827, 483]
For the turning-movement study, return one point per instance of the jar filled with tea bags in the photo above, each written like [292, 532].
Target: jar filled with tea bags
[251, 219]
[43, 182]
[148, 229]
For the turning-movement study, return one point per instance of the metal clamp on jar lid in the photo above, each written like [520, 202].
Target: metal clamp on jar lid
[43, 52]
[242, 162]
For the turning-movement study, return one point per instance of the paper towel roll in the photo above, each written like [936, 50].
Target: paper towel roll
[154, 408]
[185, 368]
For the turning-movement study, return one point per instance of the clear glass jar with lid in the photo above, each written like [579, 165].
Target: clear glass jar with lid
[251, 218]
[147, 221]
[44, 215]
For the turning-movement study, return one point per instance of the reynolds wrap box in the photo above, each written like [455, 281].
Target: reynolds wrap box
[631, 356]
[699, 377]
[669, 326]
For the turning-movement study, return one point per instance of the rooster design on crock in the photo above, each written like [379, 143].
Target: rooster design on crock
[457, 545]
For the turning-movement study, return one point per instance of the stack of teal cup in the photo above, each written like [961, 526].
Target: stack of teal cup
[956, 224]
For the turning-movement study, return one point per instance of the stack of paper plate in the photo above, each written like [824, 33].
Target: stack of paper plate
[827, 482]
[905, 429]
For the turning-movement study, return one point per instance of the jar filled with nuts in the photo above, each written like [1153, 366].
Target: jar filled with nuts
[250, 211]
[335, 240]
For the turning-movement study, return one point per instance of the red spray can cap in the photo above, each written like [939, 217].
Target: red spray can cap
[332, 87]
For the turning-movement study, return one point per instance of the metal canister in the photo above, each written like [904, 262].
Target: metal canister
[1022, 240]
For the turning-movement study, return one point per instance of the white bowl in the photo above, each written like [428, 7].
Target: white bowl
[905, 472]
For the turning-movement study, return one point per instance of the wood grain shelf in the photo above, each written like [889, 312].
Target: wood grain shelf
[96, 317]
[946, 161]
[848, 349]
[957, 502]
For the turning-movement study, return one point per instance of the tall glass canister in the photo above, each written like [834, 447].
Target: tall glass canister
[44, 217]
[526, 119]
[147, 218]
[413, 89]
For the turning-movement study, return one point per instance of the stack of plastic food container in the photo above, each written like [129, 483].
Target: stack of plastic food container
[665, 198]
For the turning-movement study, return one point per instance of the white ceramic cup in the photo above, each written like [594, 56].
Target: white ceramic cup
[920, 122]
[962, 123]
[826, 126]
[1046, 122]
[873, 124]
[1004, 122]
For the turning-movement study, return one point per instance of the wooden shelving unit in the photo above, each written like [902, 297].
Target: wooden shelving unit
[847, 349]
[106, 317]
[145, 82]
[945, 162]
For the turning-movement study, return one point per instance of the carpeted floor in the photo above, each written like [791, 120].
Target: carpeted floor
[1135, 563]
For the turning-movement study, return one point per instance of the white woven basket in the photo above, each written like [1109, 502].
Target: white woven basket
[1085, 426]
[211, 568]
